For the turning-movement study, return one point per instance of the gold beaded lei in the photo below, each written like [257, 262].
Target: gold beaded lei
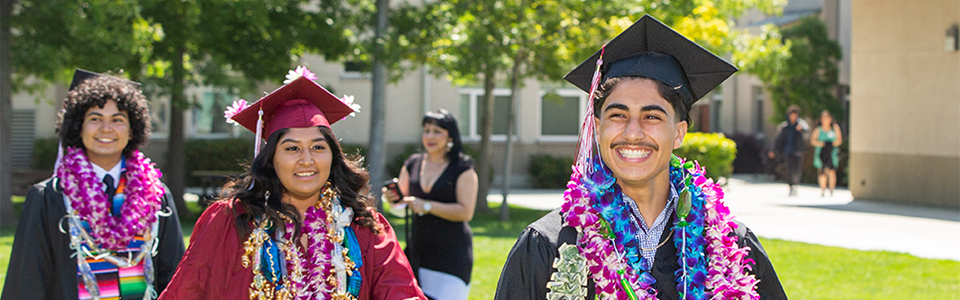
[297, 282]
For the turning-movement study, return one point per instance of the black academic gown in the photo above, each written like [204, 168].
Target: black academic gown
[41, 266]
[528, 268]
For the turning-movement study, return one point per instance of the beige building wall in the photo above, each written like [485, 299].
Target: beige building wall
[45, 106]
[420, 91]
[905, 103]
[406, 100]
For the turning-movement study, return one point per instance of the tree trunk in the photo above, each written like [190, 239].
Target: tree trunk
[377, 154]
[7, 217]
[511, 123]
[175, 171]
[484, 169]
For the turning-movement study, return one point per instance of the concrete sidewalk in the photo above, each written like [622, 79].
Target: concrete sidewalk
[839, 221]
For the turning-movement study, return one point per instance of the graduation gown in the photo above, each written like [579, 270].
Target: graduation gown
[212, 269]
[41, 266]
[528, 268]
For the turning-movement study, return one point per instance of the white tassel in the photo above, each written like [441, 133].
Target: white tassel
[256, 147]
[256, 139]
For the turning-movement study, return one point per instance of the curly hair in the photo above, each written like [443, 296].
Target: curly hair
[96, 91]
[347, 176]
[668, 93]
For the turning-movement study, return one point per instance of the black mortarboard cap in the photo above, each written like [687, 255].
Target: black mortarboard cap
[651, 49]
[81, 75]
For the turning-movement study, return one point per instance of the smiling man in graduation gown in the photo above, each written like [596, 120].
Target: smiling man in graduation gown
[638, 222]
[104, 226]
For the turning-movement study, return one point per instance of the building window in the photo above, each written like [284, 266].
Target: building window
[560, 114]
[356, 69]
[470, 114]
[207, 114]
[22, 137]
[159, 110]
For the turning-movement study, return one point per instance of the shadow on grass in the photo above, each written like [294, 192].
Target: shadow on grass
[866, 206]
[487, 224]
[483, 224]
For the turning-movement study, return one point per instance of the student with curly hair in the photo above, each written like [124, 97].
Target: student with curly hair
[299, 223]
[104, 226]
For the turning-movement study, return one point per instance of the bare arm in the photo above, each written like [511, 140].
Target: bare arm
[462, 210]
[839, 140]
[814, 138]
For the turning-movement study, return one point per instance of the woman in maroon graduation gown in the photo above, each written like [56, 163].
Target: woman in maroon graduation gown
[298, 225]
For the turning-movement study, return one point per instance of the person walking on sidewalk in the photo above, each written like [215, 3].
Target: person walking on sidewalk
[827, 139]
[789, 145]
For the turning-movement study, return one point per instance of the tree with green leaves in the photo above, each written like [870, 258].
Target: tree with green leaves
[230, 44]
[233, 44]
[475, 41]
[6, 117]
[809, 76]
[458, 39]
[43, 42]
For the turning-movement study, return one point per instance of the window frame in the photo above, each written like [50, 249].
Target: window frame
[353, 74]
[473, 127]
[581, 111]
[231, 131]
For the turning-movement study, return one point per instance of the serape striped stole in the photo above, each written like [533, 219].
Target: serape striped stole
[116, 283]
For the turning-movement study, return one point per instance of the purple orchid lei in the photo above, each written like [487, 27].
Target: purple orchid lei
[316, 258]
[143, 193]
[313, 266]
[709, 257]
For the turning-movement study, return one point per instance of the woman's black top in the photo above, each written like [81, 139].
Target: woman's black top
[436, 243]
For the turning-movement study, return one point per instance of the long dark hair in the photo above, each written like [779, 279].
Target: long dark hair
[443, 119]
[347, 176]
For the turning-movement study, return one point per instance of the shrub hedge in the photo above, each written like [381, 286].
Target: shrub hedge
[44, 153]
[549, 172]
[714, 151]
[215, 155]
[750, 154]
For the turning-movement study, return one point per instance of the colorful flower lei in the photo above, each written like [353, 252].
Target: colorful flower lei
[91, 204]
[317, 272]
[709, 258]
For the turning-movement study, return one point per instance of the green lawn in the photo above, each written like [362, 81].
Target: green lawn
[806, 271]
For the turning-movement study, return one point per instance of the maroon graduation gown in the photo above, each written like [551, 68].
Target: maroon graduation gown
[211, 267]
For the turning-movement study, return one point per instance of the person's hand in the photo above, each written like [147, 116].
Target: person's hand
[799, 128]
[835, 143]
[416, 204]
[770, 154]
[389, 195]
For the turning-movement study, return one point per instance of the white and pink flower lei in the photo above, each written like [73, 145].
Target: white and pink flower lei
[727, 265]
[318, 271]
[91, 204]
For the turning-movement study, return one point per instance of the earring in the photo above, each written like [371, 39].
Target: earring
[449, 145]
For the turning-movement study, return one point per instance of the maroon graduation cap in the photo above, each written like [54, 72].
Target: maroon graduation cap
[298, 104]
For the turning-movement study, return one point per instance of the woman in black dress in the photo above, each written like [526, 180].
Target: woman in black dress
[441, 187]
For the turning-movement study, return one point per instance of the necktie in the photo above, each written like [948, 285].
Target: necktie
[116, 204]
[110, 190]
